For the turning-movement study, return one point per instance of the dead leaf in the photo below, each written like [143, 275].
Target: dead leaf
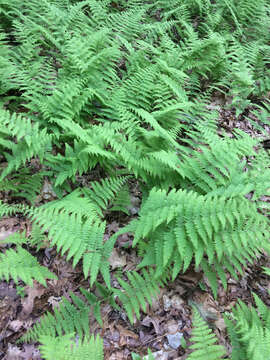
[117, 260]
[160, 355]
[13, 353]
[220, 324]
[28, 302]
[54, 301]
[47, 191]
[30, 352]
[4, 234]
[171, 326]
[125, 332]
[117, 356]
[15, 325]
[177, 302]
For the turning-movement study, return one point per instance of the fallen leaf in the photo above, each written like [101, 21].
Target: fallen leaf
[174, 340]
[4, 234]
[160, 355]
[125, 332]
[166, 303]
[177, 302]
[15, 325]
[220, 324]
[171, 326]
[13, 353]
[54, 301]
[28, 302]
[117, 260]
[47, 191]
[117, 356]
[30, 352]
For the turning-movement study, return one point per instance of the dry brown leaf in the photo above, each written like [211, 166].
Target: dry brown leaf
[28, 302]
[15, 325]
[126, 332]
[119, 355]
[13, 353]
[117, 260]
[220, 324]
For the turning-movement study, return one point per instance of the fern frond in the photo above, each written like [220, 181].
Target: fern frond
[204, 341]
[67, 318]
[136, 293]
[105, 191]
[20, 264]
[32, 141]
[251, 332]
[67, 348]
[195, 226]
[81, 240]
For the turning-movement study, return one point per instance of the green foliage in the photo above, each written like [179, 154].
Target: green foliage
[150, 356]
[68, 318]
[96, 96]
[20, 264]
[249, 330]
[74, 317]
[68, 348]
[79, 216]
[204, 340]
[139, 291]
[183, 225]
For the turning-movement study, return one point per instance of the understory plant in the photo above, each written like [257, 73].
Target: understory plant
[122, 93]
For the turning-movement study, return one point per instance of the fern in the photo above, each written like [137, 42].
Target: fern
[137, 292]
[66, 348]
[74, 317]
[204, 341]
[80, 218]
[20, 264]
[67, 318]
[32, 141]
[183, 225]
[120, 91]
[88, 246]
[249, 331]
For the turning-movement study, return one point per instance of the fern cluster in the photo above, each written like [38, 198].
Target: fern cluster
[122, 92]
[248, 330]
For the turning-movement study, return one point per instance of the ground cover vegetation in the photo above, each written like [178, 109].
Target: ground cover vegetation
[120, 94]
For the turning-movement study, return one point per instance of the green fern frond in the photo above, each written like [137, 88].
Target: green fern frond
[266, 271]
[77, 217]
[194, 226]
[74, 317]
[204, 341]
[67, 318]
[136, 293]
[23, 184]
[81, 240]
[251, 330]
[32, 140]
[67, 348]
[105, 191]
[6, 209]
[21, 265]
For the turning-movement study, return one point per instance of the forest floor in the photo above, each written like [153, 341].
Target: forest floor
[162, 328]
